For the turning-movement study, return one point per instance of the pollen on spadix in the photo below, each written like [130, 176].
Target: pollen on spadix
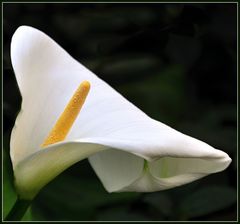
[68, 116]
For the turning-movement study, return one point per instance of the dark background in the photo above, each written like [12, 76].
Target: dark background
[177, 62]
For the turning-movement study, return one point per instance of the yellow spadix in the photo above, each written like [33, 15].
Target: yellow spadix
[68, 116]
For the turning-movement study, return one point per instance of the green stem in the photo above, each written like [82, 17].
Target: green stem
[18, 210]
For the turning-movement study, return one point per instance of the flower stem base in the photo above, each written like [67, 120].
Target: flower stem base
[18, 210]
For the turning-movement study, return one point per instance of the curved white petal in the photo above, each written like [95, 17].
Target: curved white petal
[117, 169]
[47, 77]
[36, 170]
[172, 159]
[169, 172]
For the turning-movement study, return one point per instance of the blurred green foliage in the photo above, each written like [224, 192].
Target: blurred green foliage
[177, 62]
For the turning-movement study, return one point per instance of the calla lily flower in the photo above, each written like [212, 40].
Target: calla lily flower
[128, 150]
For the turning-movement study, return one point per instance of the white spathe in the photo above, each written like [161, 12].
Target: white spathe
[128, 150]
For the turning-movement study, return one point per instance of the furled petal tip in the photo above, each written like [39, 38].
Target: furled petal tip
[128, 150]
[169, 164]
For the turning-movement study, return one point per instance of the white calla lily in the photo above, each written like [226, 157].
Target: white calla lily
[128, 150]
